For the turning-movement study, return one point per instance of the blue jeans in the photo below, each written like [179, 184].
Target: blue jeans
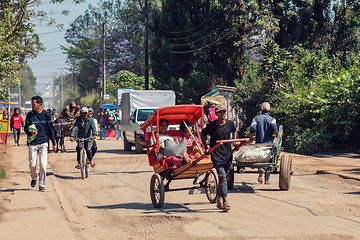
[267, 174]
[222, 172]
[87, 146]
[16, 133]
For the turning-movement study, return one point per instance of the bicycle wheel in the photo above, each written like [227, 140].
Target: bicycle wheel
[83, 163]
[87, 170]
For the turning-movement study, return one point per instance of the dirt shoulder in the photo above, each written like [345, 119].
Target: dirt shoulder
[6, 165]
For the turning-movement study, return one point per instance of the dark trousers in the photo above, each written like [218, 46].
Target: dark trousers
[222, 172]
[87, 146]
[16, 133]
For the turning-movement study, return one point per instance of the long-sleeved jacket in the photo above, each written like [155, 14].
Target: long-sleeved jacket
[44, 133]
[86, 129]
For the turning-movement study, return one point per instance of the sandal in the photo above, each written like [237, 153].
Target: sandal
[92, 164]
[226, 207]
[78, 166]
[219, 204]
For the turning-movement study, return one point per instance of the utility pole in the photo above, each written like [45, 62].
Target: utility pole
[62, 91]
[74, 78]
[104, 61]
[146, 46]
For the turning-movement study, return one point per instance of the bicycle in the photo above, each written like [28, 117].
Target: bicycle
[84, 161]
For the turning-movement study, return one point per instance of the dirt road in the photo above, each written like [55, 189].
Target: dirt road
[114, 203]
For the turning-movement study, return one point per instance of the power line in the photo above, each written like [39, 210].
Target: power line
[200, 48]
[196, 40]
[197, 33]
[51, 32]
[188, 30]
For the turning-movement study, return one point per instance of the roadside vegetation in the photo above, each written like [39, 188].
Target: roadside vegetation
[301, 56]
[2, 173]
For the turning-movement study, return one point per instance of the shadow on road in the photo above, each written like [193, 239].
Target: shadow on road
[118, 151]
[167, 208]
[354, 193]
[65, 177]
[17, 190]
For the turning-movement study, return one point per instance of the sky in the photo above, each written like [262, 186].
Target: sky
[51, 62]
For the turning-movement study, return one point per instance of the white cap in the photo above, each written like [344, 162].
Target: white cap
[84, 109]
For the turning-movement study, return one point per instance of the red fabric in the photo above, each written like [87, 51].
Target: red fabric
[16, 121]
[174, 160]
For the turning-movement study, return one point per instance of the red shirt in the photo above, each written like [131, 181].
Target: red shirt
[16, 121]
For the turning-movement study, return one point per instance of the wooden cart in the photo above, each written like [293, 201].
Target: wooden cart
[284, 168]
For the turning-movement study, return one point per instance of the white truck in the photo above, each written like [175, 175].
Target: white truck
[28, 107]
[137, 106]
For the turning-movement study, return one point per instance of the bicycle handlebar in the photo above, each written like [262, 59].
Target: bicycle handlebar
[83, 139]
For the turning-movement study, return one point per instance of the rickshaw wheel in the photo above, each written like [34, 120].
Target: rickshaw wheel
[230, 181]
[211, 186]
[285, 172]
[157, 191]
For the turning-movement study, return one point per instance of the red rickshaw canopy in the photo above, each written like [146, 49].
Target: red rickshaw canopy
[175, 115]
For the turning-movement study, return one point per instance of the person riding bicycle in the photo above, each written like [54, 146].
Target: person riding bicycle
[86, 129]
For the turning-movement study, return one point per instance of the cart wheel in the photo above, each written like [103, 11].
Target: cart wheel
[157, 191]
[285, 172]
[138, 146]
[211, 186]
[127, 145]
[230, 181]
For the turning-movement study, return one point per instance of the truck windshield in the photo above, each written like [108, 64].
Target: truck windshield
[144, 114]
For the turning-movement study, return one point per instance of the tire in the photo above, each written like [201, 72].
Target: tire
[83, 163]
[230, 181]
[157, 191]
[127, 145]
[87, 170]
[285, 172]
[138, 146]
[211, 186]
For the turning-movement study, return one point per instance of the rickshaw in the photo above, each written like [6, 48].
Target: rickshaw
[263, 156]
[199, 169]
[109, 117]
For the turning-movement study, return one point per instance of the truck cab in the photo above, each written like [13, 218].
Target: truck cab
[133, 135]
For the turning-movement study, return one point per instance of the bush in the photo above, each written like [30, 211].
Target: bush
[309, 142]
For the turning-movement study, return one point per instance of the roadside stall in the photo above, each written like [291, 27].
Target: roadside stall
[109, 118]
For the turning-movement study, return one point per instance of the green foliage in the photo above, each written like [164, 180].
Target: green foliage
[310, 141]
[316, 100]
[204, 43]
[28, 83]
[18, 41]
[124, 42]
[2, 173]
[126, 79]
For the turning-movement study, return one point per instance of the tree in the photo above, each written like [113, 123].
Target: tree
[18, 41]
[206, 41]
[124, 35]
[28, 83]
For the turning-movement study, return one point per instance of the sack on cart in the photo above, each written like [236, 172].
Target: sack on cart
[254, 153]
